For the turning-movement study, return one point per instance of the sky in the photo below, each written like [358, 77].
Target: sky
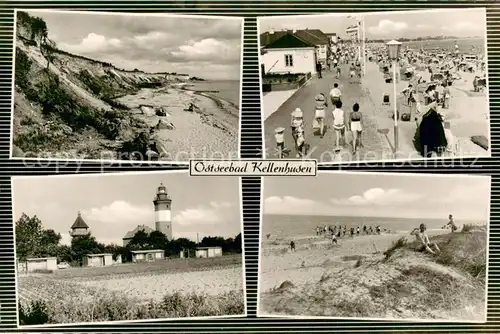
[332, 23]
[459, 23]
[112, 205]
[379, 195]
[202, 47]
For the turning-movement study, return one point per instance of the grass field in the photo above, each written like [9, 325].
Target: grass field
[163, 289]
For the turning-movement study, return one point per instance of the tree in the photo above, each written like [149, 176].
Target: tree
[175, 246]
[64, 254]
[117, 251]
[139, 241]
[83, 245]
[51, 237]
[29, 233]
[47, 48]
[238, 245]
[157, 240]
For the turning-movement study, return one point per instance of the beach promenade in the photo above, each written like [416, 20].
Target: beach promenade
[323, 148]
[467, 115]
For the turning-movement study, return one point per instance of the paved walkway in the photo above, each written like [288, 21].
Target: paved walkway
[273, 100]
[467, 115]
[323, 149]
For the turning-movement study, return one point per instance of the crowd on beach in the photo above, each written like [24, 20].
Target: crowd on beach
[343, 122]
[427, 97]
[335, 232]
[430, 74]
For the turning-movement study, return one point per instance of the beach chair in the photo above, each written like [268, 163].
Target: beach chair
[386, 100]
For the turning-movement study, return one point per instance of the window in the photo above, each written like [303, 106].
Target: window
[288, 60]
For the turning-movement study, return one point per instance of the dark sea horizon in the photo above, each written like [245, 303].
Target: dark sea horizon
[228, 90]
[305, 225]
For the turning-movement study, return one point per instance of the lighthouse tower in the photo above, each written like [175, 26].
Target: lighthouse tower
[163, 218]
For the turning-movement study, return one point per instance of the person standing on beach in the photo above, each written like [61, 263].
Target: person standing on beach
[357, 230]
[423, 239]
[292, 245]
[431, 131]
[334, 239]
[451, 224]
[446, 95]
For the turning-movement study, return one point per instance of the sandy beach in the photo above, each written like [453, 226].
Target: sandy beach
[210, 129]
[343, 280]
[468, 112]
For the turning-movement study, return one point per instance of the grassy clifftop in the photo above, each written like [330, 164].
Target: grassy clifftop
[403, 283]
[65, 102]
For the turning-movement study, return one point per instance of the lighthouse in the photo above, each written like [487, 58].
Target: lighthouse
[163, 218]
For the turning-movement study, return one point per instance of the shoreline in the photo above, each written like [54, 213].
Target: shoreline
[186, 133]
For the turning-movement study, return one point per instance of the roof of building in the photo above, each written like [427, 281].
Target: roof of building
[147, 251]
[41, 258]
[214, 247]
[144, 228]
[303, 38]
[103, 254]
[79, 222]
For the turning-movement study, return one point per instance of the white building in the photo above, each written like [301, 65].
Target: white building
[147, 255]
[98, 260]
[286, 54]
[295, 51]
[36, 264]
[205, 252]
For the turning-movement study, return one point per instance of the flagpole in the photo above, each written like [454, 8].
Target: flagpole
[359, 39]
[364, 45]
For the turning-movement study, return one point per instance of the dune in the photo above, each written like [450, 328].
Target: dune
[360, 278]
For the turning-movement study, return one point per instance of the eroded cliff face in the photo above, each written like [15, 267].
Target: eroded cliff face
[67, 101]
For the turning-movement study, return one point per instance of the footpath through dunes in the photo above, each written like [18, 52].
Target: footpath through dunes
[322, 149]
[69, 106]
[396, 282]
[162, 289]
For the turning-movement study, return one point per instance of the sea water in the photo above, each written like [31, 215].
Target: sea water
[228, 90]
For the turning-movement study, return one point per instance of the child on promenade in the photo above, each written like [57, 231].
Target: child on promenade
[297, 125]
[320, 105]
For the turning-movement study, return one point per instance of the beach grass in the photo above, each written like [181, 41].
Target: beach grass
[400, 284]
[114, 306]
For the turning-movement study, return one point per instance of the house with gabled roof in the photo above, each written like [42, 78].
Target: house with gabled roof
[293, 51]
[130, 234]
